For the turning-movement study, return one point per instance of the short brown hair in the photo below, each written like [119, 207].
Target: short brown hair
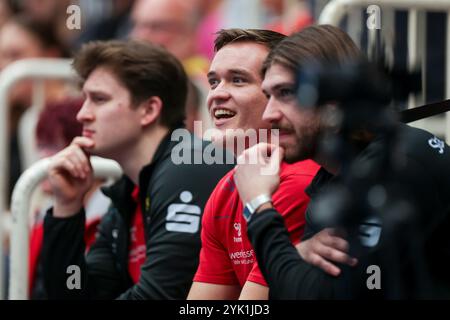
[267, 38]
[144, 69]
[323, 44]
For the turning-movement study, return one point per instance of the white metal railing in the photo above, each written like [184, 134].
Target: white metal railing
[20, 207]
[38, 69]
[335, 10]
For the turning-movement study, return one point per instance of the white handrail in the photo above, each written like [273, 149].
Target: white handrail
[36, 68]
[335, 10]
[20, 207]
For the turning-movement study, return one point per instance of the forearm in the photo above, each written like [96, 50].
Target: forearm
[63, 256]
[288, 275]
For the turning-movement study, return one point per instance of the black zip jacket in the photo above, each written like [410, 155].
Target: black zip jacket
[413, 250]
[172, 234]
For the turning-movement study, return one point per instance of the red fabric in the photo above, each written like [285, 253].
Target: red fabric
[37, 237]
[137, 246]
[227, 256]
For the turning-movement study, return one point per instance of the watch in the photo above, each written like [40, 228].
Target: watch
[253, 205]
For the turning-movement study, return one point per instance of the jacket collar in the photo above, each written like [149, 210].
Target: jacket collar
[120, 191]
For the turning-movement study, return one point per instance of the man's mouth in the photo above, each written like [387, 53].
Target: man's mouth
[88, 133]
[223, 114]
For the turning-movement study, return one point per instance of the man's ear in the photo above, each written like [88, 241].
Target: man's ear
[150, 110]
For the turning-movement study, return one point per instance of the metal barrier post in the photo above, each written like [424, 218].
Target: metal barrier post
[29, 68]
[20, 207]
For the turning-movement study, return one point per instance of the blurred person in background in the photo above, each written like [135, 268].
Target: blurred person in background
[23, 37]
[105, 20]
[56, 128]
[173, 24]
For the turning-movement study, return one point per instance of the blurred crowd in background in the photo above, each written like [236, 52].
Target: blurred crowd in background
[38, 29]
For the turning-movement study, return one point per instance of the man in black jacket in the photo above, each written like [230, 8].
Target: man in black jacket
[148, 243]
[401, 236]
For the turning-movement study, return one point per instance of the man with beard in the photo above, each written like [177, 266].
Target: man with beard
[411, 249]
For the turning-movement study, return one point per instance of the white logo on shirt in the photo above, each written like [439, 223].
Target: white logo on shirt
[237, 227]
[183, 217]
[370, 231]
[437, 144]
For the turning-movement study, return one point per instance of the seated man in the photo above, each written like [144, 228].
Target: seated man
[402, 229]
[228, 268]
[148, 243]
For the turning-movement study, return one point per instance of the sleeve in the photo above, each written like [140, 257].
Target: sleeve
[177, 198]
[215, 265]
[288, 275]
[291, 201]
[63, 260]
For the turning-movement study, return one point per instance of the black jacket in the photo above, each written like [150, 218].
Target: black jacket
[172, 233]
[413, 250]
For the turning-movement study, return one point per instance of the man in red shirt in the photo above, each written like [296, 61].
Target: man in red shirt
[228, 267]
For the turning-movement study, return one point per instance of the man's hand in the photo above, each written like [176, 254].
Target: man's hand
[326, 247]
[70, 176]
[257, 171]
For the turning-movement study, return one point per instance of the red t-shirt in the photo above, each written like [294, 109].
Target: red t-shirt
[227, 256]
[137, 248]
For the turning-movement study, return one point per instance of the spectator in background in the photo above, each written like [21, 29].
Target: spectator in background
[173, 24]
[23, 37]
[114, 25]
[56, 128]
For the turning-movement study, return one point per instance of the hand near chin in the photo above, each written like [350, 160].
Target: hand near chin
[71, 176]
[257, 171]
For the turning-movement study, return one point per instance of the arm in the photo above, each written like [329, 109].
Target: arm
[212, 291]
[288, 275]
[254, 291]
[70, 175]
[64, 246]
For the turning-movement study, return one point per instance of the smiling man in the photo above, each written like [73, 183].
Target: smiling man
[148, 243]
[228, 268]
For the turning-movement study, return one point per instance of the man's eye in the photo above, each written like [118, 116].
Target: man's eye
[213, 83]
[99, 99]
[238, 80]
[286, 92]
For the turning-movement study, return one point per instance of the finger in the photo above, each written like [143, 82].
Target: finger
[275, 159]
[336, 242]
[83, 142]
[326, 266]
[336, 256]
[83, 159]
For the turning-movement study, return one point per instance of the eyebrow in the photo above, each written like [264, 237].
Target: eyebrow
[232, 71]
[91, 92]
[281, 85]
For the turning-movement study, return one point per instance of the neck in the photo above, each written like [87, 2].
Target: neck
[142, 153]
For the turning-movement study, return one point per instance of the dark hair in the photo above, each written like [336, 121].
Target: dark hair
[145, 69]
[267, 38]
[44, 32]
[58, 120]
[323, 44]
